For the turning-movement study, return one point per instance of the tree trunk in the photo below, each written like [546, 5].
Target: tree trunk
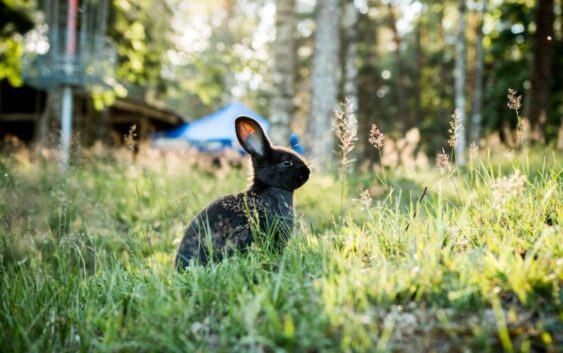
[368, 84]
[350, 22]
[541, 68]
[419, 65]
[324, 80]
[460, 85]
[401, 90]
[281, 108]
[478, 93]
[444, 82]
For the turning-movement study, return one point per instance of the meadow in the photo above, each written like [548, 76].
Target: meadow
[86, 260]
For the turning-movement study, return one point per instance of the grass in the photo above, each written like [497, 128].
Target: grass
[86, 262]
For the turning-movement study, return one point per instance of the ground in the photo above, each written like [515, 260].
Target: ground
[86, 261]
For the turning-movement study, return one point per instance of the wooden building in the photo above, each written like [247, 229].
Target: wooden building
[33, 116]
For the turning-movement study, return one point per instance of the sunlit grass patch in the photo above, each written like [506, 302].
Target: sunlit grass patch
[86, 262]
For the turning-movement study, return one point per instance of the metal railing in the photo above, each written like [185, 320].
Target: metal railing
[92, 63]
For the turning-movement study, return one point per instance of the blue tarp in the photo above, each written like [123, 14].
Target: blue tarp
[216, 130]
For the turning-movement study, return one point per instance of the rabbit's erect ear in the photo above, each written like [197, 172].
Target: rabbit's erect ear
[251, 136]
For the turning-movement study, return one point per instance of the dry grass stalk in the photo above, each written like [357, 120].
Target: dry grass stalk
[515, 103]
[376, 137]
[455, 128]
[417, 207]
[365, 199]
[473, 152]
[508, 187]
[443, 161]
[345, 129]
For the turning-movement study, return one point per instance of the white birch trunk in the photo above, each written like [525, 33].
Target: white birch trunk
[281, 106]
[403, 108]
[324, 81]
[476, 117]
[350, 22]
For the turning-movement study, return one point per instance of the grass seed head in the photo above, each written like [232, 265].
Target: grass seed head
[514, 101]
[376, 137]
[443, 161]
[505, 188]
[455, 128]
[345, 128]
[365, 199]
[473, 151]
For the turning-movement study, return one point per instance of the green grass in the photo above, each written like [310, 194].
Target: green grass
[86, 263]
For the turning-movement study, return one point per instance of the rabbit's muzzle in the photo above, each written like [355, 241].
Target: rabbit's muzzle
[302, 176]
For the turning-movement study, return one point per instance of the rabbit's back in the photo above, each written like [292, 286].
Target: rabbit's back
[227, 225]
[222, 226]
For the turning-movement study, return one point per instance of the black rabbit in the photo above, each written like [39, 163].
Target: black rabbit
[228, 224]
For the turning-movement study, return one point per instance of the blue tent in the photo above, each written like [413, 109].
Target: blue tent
[216, 130]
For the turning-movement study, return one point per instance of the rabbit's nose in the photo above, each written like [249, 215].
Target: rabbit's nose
[305, 173]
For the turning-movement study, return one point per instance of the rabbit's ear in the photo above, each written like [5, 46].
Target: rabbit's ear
[251, 136]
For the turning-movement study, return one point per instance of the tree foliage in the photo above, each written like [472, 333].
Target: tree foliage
[14, 22]
[141, 30]
[196, 56]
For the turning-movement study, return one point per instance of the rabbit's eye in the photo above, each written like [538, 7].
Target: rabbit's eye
[287, 163]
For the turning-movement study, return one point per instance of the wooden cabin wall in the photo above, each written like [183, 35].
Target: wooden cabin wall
[33, 116]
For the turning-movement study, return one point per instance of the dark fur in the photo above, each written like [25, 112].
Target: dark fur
[228, 224]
